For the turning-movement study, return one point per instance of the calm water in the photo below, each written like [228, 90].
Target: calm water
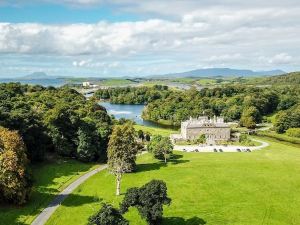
[132, 112]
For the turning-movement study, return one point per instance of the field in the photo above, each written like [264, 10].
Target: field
[155, 130]
[206, 188]
[49, 179]
[115, 82]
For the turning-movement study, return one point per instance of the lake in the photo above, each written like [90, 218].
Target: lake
[132, 112]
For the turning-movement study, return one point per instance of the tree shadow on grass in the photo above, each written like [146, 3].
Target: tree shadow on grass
[181, 221]
[150, 166]
[174, 160]
[78, 200]
[52, 199]
[176, 157]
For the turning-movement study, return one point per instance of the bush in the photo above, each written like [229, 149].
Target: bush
[293, 132]
[287, 119]
[107, 215]
[279, 137]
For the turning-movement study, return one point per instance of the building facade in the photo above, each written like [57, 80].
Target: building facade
[214, 129]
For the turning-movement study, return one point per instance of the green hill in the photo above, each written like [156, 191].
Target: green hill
[289, 78]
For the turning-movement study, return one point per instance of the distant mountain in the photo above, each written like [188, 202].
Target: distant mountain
[221, 72]
[37, 76]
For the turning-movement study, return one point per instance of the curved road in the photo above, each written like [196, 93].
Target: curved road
[49, 210]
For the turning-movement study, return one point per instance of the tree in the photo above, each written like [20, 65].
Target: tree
[63, 122]
[15, 182]
[89, 142]
[149, 200]
[122, 150]
[141, 135]
[161, 147]
[287, 119]
[107, 215]
[250, 117]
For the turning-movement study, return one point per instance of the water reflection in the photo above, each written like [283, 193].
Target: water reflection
[132, 112]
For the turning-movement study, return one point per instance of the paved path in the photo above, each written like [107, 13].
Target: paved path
[229, 148]
[49, 210]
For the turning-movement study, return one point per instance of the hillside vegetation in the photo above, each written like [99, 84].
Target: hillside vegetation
[285, 79]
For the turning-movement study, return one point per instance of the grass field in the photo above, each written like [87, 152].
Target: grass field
[206, 188]
[49, 179]
[155, 130]
[115, 82]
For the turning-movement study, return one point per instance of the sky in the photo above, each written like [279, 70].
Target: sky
[114, 38]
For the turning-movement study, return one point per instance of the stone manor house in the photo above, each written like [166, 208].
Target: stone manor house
[214, 129]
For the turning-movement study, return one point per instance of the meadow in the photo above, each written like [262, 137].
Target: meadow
[155, 130]
[261, 187]
[49, 179]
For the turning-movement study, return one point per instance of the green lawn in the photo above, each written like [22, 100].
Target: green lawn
[261, 187]
[49, 179]
[115, 82]
[155, 130]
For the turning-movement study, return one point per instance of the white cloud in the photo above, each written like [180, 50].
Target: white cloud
[282, 58]
[207, 33]
[199, 30]
[80, 63]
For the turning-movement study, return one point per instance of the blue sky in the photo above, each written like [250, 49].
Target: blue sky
[137, 38]
[61, 14]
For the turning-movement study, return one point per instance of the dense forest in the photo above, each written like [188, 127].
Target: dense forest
[55, 120]
[246, 104]
[36, 122]
[133, 95]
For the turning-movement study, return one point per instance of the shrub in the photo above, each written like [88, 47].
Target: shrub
[280, 137]
[293, 132]
[107, 215]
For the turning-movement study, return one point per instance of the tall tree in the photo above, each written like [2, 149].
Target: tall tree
[88, 148]
[250, 117]
[161, 147]
[122, 150]
[15, 183]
